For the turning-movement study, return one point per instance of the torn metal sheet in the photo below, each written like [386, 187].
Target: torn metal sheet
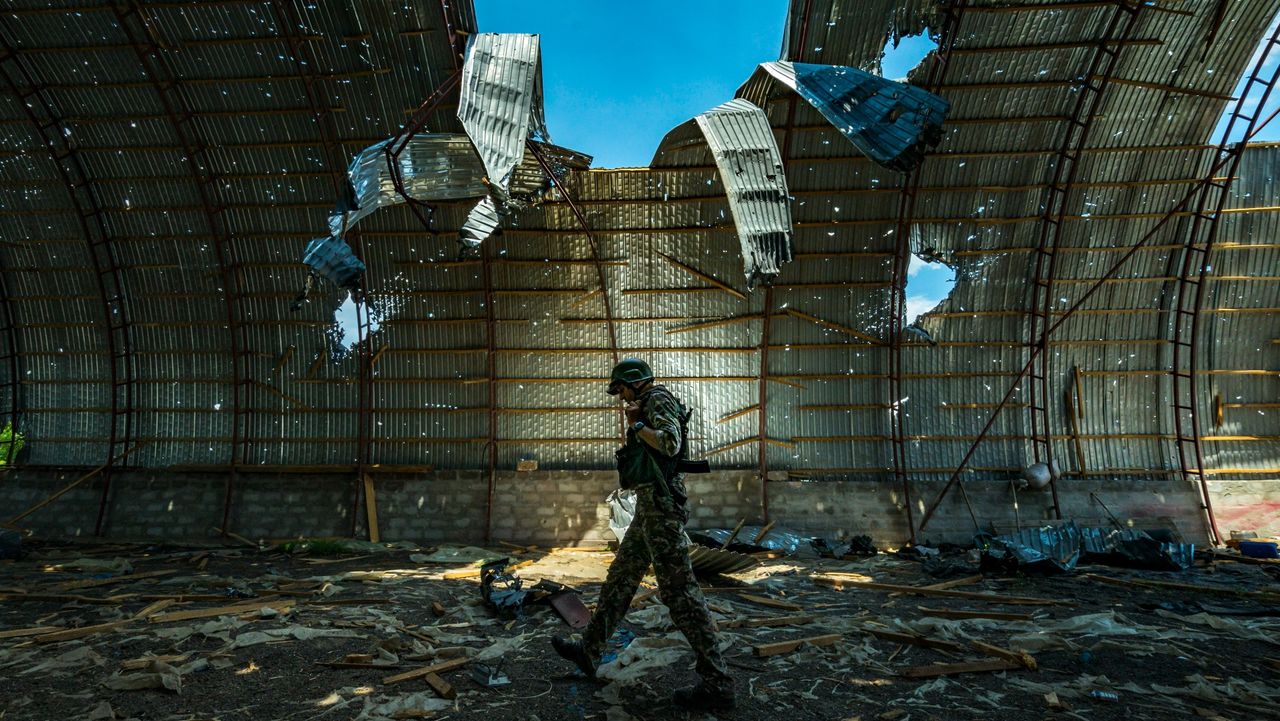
[890, 122]
[500, 105]
[332, 258]
[440, 166]
[480, 223]
[1059, 548]
[750, 166]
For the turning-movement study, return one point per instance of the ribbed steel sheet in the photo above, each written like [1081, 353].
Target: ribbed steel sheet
[978, 208]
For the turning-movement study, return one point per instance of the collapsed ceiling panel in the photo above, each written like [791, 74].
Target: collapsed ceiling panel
[741, 142]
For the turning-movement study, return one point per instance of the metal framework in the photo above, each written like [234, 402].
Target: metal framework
[1066, 168]
[143, 37]
[11, 358]
[1179, 208]
[42, 111]
[1193, 277]
[762, 385]
[908, 194]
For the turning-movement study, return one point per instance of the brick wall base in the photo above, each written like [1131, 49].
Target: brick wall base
[567, 507]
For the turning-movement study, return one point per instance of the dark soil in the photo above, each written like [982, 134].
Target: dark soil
[283, 679]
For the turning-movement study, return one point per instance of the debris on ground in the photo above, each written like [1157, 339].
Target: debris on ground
[142, 631]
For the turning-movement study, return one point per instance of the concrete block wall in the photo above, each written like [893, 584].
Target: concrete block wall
[567, 507]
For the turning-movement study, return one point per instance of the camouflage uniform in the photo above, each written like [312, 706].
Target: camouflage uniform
[656, 536]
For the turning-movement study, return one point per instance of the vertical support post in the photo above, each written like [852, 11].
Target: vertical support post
[12, 357]
[1092, 86]
[491, 362]
[48, 125]
[952, 14]
[1193, 276]
[143, 37]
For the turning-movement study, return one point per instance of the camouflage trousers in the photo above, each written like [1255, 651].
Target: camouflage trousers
[656, 536]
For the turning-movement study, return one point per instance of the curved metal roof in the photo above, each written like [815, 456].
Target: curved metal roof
[164, 163]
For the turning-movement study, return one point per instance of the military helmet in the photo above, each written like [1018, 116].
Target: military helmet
[629, 370]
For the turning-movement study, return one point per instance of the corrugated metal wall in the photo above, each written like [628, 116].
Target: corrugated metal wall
[979, 207]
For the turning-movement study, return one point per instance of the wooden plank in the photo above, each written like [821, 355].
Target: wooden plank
[958, 614]
[734, 534]
[137, 664]
[1145, 583]
[440, 686]
[773, 649]
[153, 608]
[33, 631]
[763, 532]
[74, 633]
[219, 611]
[843, 583]
[967, 580]
[435, 668]
[67, 597]
[915, 640]
[770, 602]
[951, 669]
[93, 582]
[769, 621]
[371, 508]
[1019, 657]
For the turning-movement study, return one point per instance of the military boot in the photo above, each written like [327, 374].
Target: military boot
[573, 651]
[704, 697]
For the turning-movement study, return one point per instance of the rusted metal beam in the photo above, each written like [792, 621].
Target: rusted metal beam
[41, 111]
[1193, 277]
[13, 355]
[1092, 87]
[161, 76]
[952, 14]
[300, 50]
[1210, 176]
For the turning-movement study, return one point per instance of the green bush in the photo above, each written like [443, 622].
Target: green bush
[11, 443]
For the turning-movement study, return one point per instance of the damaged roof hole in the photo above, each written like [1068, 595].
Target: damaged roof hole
[618, 76]
[929, 283]
[900, 58]
[1271, 132]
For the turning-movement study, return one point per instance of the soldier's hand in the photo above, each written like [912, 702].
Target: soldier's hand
[634, 413]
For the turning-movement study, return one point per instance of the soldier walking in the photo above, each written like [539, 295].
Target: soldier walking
[650, 464]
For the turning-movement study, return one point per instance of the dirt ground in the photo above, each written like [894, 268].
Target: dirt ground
[1155, 652]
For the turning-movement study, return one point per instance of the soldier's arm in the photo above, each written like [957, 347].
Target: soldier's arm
[662, 426]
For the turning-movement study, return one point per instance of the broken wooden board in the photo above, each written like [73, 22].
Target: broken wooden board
[770, 602]
[961, 615]
[94, 582]
[773, 649]
[73, 633]
[434, 668]
[137, 664]
[440, 686]
[1019, 657]
[840, 584]
[769, 621]
[220, 611]
[33, 631]
[1146, 583]
[153, 608]
[914, 640]
[951, 669]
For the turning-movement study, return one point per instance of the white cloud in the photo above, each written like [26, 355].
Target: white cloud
[919, 304]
